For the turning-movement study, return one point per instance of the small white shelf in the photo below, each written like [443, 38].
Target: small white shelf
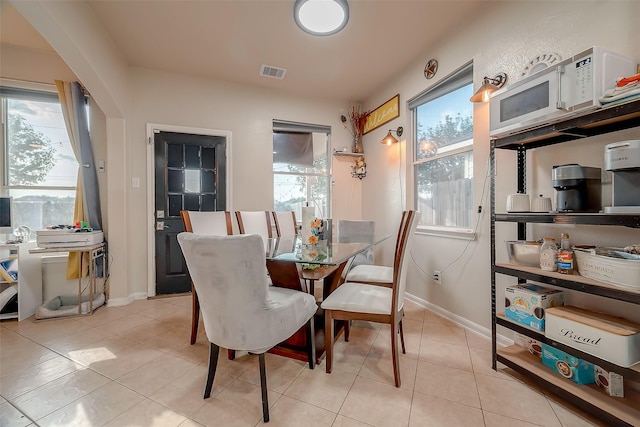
[346, 154]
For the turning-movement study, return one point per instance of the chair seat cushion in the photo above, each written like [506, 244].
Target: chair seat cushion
[370, 274]
[359, 298]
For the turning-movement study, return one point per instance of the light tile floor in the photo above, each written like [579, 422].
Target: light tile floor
[133, 366]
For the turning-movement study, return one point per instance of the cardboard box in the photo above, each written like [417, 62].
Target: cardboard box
[533, 346]
[610, 382]
[614, 339]
[577, 370]
[526, 304]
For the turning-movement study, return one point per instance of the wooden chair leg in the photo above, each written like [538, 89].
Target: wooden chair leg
[328, 339]
[263, 386]
[347, 330]
[213, 363]
[231, 354]
[195, 314]
[311, 343]
[394, 354]
[404, 351]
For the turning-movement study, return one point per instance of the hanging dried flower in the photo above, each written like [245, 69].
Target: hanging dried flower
[358, 120]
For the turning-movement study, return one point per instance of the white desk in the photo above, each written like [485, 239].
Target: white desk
[29, 279]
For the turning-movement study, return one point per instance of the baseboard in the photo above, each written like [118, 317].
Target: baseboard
[460, 321]
[118, 302]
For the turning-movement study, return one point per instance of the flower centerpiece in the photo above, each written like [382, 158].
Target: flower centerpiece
[316, 229]
[310, 250]
[358, 120]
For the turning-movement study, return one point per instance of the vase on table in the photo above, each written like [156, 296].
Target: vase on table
[357, 144]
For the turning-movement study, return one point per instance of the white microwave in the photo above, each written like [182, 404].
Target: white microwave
[567, 88]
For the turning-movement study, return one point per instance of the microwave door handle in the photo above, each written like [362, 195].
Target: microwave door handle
[560, 104]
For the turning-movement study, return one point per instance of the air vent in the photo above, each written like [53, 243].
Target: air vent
[274, 72]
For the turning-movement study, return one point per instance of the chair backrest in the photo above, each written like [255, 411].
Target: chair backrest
[214, 223]
[286, 225]
[355, 230]
[228, 274]
[255, 222]
[406, 232]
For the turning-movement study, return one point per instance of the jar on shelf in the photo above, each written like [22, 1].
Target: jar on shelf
[549, 255]
[565, 255]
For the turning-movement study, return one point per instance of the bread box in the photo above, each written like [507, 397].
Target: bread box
[611, 338]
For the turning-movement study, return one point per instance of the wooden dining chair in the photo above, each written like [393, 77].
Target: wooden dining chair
[374, 303]
[286, 224]
[216, 223]
[255, 222]
[375, 274]
[357, 231]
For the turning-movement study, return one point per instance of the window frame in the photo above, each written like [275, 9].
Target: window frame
[459, 78]
[295, 127]
[37, 92]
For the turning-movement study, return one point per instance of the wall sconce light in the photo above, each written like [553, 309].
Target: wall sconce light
[390, 139]
[489, 85]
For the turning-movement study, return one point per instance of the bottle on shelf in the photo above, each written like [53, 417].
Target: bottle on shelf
[565, 255]
[549, 255]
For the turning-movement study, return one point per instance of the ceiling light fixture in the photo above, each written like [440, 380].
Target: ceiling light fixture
[321, 17]
[489, 85]
[390, 139]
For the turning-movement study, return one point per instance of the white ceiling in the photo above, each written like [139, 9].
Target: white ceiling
[230, 40]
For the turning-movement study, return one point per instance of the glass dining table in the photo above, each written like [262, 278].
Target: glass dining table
[292, 264]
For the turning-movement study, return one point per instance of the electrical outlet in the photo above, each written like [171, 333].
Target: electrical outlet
[437, 277]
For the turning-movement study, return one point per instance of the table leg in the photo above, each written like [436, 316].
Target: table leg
[79, 283]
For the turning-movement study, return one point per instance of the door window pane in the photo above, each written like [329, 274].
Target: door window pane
[191, 181]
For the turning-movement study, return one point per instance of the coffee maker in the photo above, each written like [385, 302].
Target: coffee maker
[623, 160]
[578, 188]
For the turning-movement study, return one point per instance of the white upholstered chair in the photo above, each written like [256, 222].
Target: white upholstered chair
[255, 222]
[213, 223]
[285, 221]
[374, 303]
[239, 309]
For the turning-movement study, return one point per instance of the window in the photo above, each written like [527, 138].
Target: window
[443, 152]
[301, 168]
[40, 168]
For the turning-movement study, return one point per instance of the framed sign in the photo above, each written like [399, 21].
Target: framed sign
[383, 114]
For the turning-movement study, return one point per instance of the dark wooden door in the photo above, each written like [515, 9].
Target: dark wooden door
[190, 174]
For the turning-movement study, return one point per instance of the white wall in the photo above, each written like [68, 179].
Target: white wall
[504, 40]
[246, 112]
